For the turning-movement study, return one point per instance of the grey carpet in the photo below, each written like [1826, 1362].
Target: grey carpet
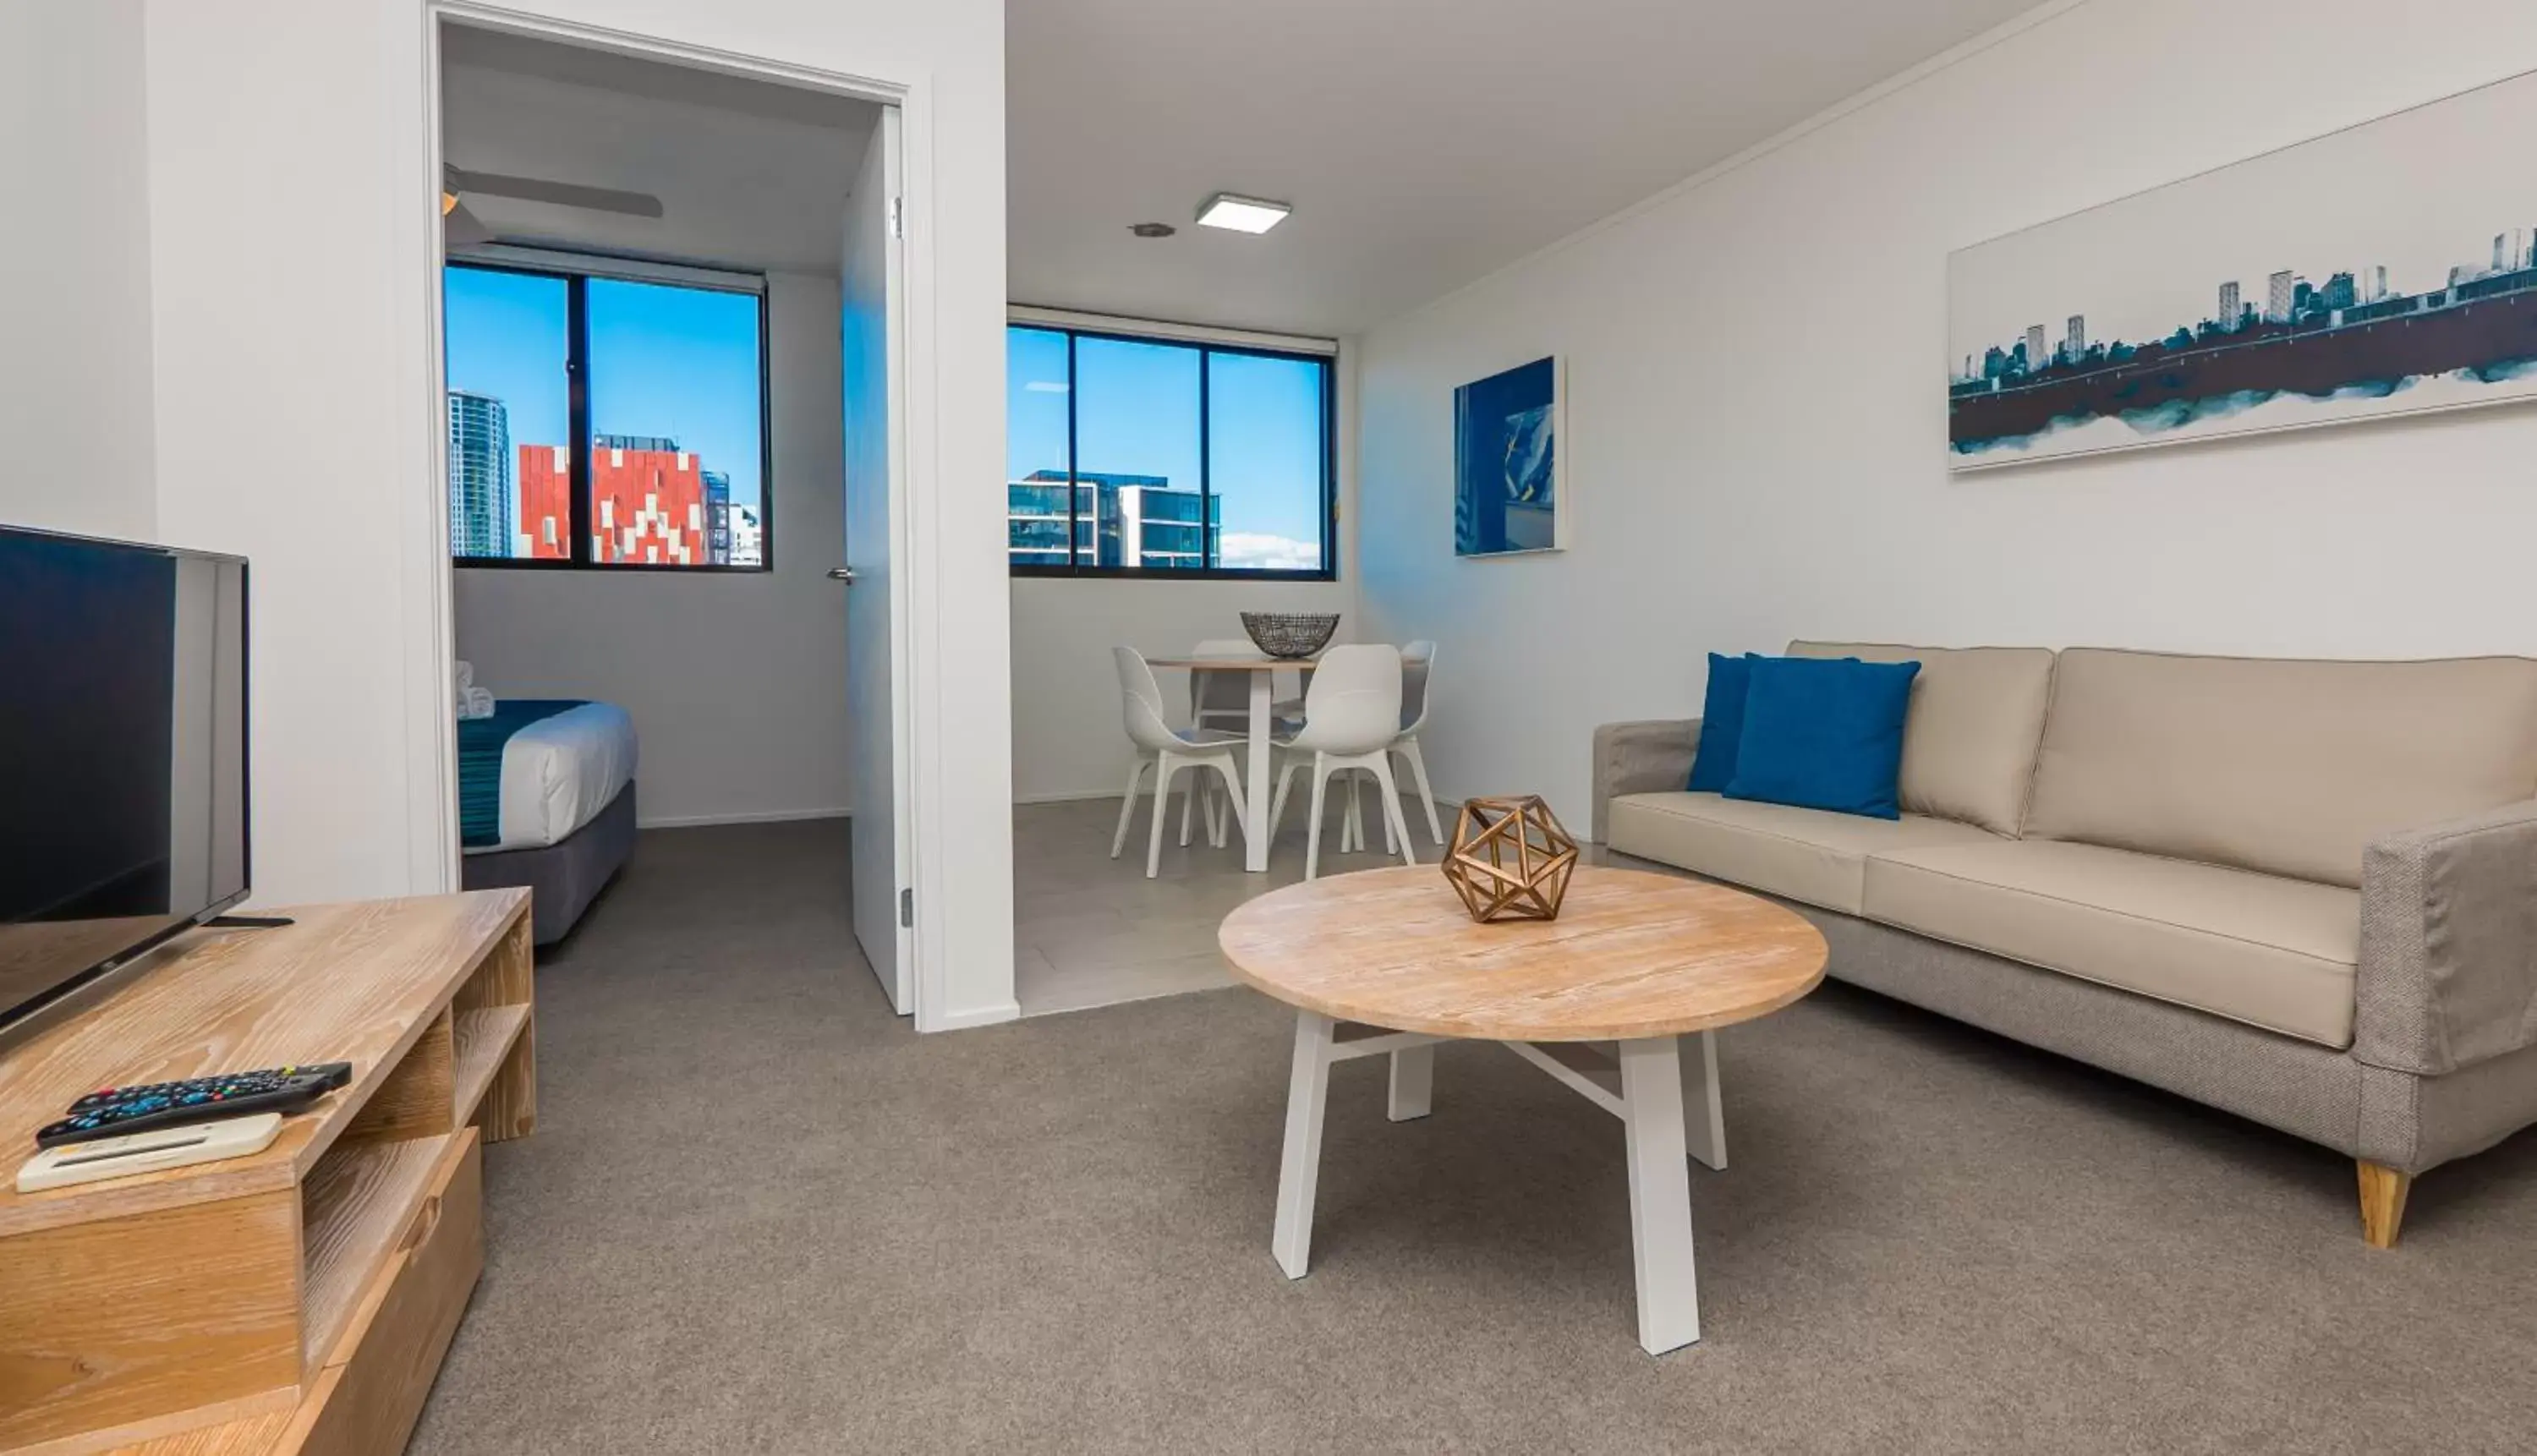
[761, 1216]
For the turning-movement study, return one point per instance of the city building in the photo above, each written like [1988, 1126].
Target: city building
[2076, 348]
[1155, 527]
[2034, 356]
[1036, 519]
[647, 502]
[2230, 307]
[650, 503]
[1118, 519]
[2278, 297]
[717, 518]
[480, 476]
[546, 502]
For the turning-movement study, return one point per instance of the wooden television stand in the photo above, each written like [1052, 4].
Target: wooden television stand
[299, 1300]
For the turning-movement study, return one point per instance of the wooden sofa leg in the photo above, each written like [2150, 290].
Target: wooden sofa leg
[2383, 1203]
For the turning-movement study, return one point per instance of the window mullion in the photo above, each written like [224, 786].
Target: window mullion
[1330, 468]
[1074, 527]
[1206, 466]
[578, 453]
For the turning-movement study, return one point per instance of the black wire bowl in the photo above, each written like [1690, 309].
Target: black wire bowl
[1290, 634]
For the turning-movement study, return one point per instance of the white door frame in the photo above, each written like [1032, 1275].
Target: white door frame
[433, 761]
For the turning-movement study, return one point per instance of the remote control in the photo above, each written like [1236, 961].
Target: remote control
[336, 1073]
[113, 1111]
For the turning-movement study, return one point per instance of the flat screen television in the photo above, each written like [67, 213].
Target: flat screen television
[123, 786]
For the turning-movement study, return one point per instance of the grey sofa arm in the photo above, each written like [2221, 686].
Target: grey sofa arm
[1640, 758]
[2448, 943]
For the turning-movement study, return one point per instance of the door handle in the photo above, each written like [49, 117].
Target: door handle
[844, 574]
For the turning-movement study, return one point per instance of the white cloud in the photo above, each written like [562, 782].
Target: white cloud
[1258, 551]
[1045, 387]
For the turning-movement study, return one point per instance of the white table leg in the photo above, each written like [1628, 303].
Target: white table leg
[1660, 1191]
[1308, 1094]
[1255, 788]
[1414, 1082]
[1704, 1114]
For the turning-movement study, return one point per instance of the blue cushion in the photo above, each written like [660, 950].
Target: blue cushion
[1722, 723]
[1824, 734]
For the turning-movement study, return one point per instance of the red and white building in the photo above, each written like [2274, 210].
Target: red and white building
[647, 503]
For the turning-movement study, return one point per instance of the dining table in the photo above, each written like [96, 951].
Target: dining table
[1263, 672]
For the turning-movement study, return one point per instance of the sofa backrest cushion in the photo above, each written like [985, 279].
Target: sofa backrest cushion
[2279, 765]
[1977, 715]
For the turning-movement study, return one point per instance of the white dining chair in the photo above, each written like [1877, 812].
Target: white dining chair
[1172, 750]
[1417, 670]
[1218, 699]
[1351, 718]
[1417, 666]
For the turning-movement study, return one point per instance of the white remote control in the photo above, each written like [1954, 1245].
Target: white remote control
[148, 1151]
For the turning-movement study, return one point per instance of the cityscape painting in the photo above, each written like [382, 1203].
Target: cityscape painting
[2379, 271]
[1506, 463]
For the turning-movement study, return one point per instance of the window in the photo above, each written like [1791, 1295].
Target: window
[667, 382]
[1151, 457]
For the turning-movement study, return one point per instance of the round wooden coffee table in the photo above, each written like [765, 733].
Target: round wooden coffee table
[1387, 962]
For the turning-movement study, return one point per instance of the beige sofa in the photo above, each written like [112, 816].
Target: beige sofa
[2305, 892]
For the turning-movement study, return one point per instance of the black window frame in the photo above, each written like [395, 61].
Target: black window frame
[1212, 528]
[576, 284]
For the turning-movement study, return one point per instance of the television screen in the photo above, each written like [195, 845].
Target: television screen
[122, 753]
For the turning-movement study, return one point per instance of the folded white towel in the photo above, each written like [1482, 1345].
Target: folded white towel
[475, 702]
[466, 677]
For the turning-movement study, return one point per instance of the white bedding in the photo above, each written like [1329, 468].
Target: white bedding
[559, 771]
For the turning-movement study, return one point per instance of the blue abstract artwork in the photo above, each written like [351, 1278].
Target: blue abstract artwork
[1506, 462]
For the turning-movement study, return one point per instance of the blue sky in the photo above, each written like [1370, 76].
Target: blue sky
[681, 362]
[1137, 414]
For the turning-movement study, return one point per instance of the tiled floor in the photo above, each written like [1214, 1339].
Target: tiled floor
[1090, 930]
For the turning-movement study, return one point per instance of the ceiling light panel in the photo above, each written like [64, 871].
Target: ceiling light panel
[1241, 213]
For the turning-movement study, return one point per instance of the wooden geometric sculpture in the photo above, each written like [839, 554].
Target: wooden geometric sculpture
[1509, 860]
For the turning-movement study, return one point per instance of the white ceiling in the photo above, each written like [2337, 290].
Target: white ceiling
[751, 174]
[1424, 142]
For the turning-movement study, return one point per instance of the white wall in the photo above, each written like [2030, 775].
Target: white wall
[736, 682]
[75, 403]
[1068, 742]
[293, 418]
[291, 278]
[1757, 438]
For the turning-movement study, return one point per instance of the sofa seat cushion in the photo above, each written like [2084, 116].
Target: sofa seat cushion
[2269, 951]
[1812, 855]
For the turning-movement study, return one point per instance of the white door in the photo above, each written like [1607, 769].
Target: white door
[870, 333]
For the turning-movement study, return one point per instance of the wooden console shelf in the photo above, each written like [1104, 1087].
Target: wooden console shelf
[298, 1300]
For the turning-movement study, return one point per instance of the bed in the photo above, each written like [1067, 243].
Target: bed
[545, 798]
